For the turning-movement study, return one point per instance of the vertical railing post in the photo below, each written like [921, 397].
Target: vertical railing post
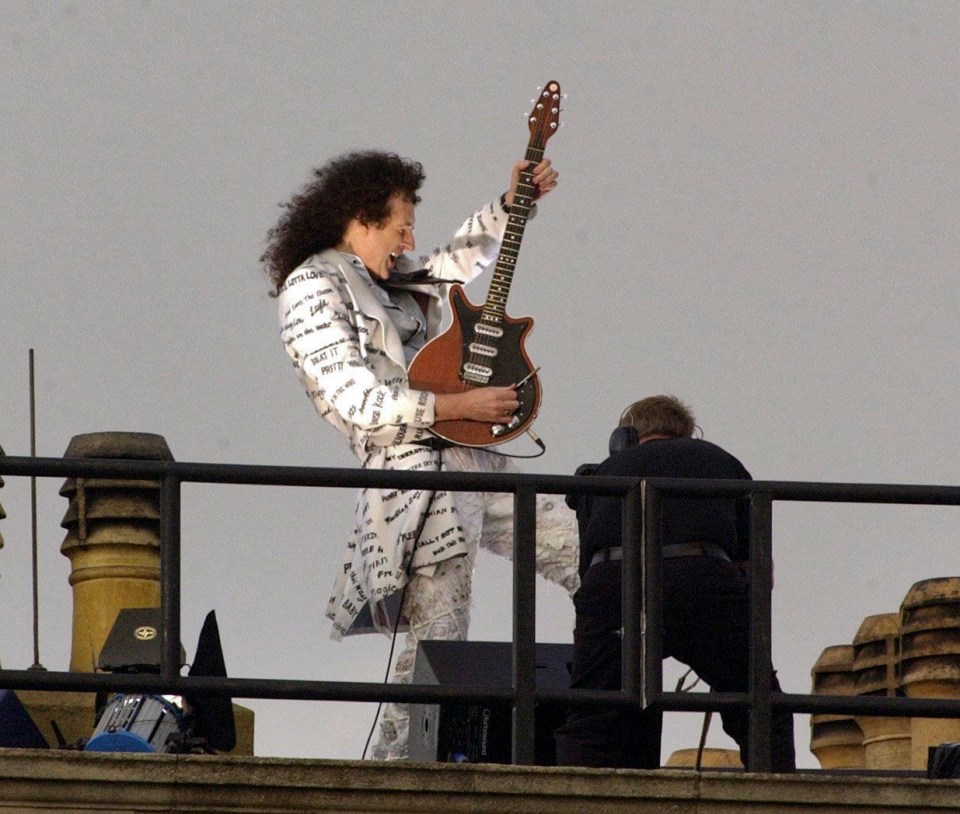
[524, 624]
[170, 576]
[631, 591]
[759, 757]
[651, 599]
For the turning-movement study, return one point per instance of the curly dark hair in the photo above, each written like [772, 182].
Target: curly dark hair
[356, 185]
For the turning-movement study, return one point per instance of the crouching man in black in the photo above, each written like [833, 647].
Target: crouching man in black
[705, 594]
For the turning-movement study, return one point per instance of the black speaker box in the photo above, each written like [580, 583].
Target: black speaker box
[479, 731]
[133, 644]
[943, 761]
[17, 728]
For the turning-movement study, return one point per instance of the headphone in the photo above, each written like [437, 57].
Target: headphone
[622, 438]
[625, 437]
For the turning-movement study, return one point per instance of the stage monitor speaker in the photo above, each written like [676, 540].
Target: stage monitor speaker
[133, 644]
[17, 728]
[943, 761]
[480, 731]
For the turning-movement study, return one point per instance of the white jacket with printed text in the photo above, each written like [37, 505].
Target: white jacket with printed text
[349, 358]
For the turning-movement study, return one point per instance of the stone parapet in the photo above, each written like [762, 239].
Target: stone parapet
[72, 783]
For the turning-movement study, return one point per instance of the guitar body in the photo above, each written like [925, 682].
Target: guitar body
[438, 367]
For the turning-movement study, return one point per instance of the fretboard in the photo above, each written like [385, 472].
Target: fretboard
[495, 307]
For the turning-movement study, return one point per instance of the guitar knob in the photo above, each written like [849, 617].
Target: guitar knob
[498, 429]
[514, 423]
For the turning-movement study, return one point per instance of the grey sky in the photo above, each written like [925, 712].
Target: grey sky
[757, 212]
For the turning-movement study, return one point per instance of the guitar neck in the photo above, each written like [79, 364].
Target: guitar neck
[496, 305]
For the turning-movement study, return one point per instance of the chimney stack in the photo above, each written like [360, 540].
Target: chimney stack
[876, 646]
[836, 740]
[930, 658]
[112, 541]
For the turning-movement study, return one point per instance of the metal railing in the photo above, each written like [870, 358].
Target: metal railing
[646, 672]
[642, 654]
[173, 474]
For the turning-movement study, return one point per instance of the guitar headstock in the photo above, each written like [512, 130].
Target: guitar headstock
[544, 119]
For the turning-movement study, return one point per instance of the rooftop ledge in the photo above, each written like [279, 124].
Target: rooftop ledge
[68, 781]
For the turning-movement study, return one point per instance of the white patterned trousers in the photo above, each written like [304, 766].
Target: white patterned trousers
[438, 606]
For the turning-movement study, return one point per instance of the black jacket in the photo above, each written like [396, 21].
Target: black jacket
[715, 520]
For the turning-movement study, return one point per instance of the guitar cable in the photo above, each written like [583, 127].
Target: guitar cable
[533, 436]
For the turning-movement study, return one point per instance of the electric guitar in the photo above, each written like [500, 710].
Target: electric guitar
[483, 345]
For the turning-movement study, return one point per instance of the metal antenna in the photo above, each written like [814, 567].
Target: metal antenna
[33, 512]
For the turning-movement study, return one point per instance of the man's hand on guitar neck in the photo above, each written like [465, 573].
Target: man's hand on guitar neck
[492, 404]
[544, 179]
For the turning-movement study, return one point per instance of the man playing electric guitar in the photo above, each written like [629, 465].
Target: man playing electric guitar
[350, 335]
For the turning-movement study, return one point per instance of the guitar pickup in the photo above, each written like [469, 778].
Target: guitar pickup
[478, 374]
[482, 350]
[488, 330]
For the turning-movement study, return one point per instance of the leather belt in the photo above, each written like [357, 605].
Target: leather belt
[669, 552]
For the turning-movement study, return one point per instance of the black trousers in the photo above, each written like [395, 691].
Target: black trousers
[706, 626]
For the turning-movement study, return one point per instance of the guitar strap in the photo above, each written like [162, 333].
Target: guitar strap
[420, 276]
[413, 283]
